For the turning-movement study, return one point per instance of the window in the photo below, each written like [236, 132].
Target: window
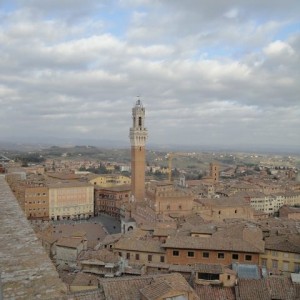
[208, 276]
[297, 256]
[149, 257]
[205, 254]
[274, 253]
[162, 259]
[137, 257]
[296, 267]
[191, 254]
[235, 256]
[175, 253]
[127, 255]
[221, 255]
[180, 207]
[248, 257]
[285, 266]
[274, 264]
[264, 262]
[228, 277]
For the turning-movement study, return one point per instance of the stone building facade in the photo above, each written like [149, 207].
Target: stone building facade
[110, 200]
[167, 200]
[188, 250]
[68, 200]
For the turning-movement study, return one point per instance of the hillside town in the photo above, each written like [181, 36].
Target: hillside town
[234, 233]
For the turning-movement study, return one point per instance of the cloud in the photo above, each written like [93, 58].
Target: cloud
[221, 74]
[278, 48]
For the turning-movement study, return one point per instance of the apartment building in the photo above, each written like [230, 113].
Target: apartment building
[271, 204]
[166, 200]
[36, 205]
[223, 208]
[69, 200]
[68, 250]
[187, 250]
[292, 198]
[282, 254]
[110, 200]
[140, 251]
[267, 203]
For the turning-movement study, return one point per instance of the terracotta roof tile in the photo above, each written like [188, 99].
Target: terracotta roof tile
[156, 289]
[87, 295]
[281, 288]
[225, 244]
[161, 286]
[206, 292]
[181, 268]
[209, 268]
[132, 244]
[250, 289]
[84, 279]
[109, 239]
[129, 288]
[102, 255]
[69, 242]
[284, 243]
[164, 231]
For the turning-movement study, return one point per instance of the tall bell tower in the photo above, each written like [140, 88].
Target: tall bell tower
[138, 136]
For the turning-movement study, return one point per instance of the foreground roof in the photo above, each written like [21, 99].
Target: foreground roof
[130, 288]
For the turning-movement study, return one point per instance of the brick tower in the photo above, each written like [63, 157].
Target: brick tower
[214, 171]
[138, 136]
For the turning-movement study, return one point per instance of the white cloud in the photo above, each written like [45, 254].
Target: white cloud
[225, 73]
[278, 48]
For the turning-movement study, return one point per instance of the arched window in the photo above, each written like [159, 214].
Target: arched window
[140, 121]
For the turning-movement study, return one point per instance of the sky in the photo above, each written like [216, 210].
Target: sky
[218, 73]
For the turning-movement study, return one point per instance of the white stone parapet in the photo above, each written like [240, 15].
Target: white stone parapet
[138, 137]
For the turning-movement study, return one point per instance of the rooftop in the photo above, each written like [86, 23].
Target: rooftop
[225, 244]
[131, 288]
[69, 242]
[284, 243]
[133, 244]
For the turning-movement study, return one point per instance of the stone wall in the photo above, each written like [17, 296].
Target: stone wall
[26, 270]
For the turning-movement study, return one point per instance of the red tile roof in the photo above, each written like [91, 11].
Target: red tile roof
[224, 244]
[206, 292]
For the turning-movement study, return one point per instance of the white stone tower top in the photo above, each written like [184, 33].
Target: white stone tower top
[138, 132]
